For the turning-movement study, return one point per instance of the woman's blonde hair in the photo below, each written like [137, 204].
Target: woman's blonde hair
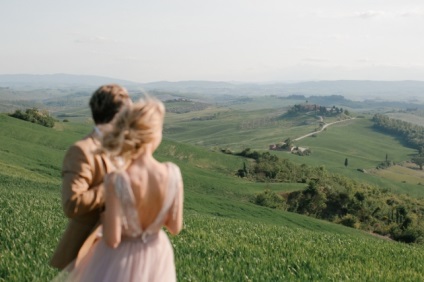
[133, 127]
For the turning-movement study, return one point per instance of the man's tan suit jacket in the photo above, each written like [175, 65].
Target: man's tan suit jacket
[82, 196]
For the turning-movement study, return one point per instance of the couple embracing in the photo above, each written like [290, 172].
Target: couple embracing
[118, 197]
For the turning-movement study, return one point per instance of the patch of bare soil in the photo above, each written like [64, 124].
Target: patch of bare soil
[387, 238]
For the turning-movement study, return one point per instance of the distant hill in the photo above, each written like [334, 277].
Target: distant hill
[357, 89]
[406, 91]
[57, 81]
[362, 89]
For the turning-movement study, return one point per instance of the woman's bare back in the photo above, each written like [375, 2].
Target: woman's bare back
[149, 182]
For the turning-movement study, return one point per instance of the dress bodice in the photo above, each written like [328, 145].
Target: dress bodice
[129, 214]
[142, 254]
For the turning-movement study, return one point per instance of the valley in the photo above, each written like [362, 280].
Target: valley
[226, 235]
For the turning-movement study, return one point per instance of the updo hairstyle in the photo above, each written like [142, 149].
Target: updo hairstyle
[134, 127]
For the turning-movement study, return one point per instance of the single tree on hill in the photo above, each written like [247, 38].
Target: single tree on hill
[419, 160]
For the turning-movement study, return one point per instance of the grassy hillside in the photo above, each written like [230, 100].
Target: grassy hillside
[257, 129]
[365, 149]
[224, 238]
[236, 129]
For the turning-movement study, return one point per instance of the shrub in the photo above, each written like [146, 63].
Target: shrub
[412, 234]
[385, 164]
[269, 199]
[350, 221]
[35, 116]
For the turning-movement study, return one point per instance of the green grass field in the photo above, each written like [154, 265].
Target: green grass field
[225, 237]
[237, 129]
[364, 148]
[257, 129]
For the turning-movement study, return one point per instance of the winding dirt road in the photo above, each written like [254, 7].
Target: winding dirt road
[324, 127]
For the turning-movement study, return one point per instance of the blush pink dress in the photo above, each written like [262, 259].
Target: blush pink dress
[142, 255]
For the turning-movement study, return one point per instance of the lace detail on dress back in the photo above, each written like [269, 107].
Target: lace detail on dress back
[129, 214]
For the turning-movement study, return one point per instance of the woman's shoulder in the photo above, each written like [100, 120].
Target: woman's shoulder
[172, 165]
[174, 171]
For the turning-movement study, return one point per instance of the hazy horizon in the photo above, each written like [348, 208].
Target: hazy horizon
[235, 40]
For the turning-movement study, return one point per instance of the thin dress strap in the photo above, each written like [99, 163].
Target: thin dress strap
[129, 214]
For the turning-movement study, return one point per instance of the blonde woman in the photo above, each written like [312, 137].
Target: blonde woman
[142, 196]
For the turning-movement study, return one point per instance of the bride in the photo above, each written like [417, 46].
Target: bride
[142, 195]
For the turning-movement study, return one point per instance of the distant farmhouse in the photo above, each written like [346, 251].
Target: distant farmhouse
[319, 110]
[288, 146]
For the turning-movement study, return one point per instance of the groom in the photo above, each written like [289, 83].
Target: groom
[82, 176]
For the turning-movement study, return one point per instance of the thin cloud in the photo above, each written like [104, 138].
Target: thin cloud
[311, 59]
[119, 57]
[370, 14]
[97, 39]
[364, 60]
[413, 13]
[131, 59]
[315, 60]
[339, 37]
[397, 65]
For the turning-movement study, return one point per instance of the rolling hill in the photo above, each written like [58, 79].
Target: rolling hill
[225, 237]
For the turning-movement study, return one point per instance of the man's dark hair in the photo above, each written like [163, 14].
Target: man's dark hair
[106, 102]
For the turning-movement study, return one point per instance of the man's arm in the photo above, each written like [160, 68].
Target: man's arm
[78, 195]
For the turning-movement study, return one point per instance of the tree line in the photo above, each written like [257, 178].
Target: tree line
[411, 134]
[319, 110]
[336, 198]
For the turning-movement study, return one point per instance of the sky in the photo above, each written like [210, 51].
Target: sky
[215, 40]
